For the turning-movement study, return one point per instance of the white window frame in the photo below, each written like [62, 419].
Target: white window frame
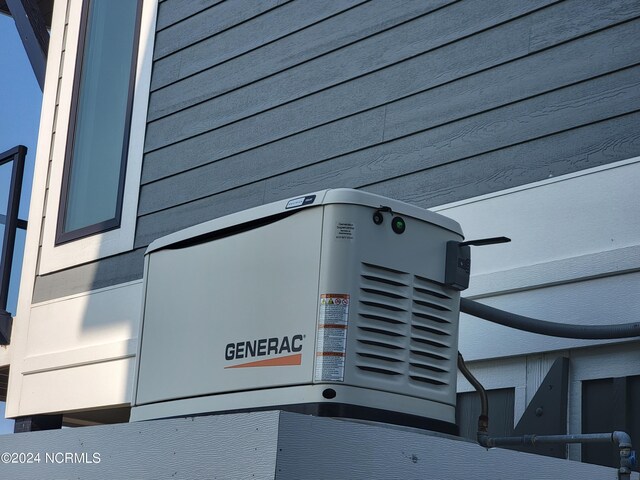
[112, 242]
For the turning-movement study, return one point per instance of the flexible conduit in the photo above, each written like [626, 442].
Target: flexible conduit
[554, 329]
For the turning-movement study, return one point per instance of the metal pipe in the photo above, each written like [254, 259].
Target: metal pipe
[533, 440]
[554, 329]
[621, 439]
[476, 384]
[483, 419]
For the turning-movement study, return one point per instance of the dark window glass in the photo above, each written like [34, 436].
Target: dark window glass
[101, 110]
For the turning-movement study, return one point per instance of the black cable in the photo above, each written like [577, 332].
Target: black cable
[554, 329]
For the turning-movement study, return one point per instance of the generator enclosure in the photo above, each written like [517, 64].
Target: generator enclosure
[332, 303]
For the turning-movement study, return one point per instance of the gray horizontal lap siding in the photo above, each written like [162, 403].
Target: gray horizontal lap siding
[426, 101]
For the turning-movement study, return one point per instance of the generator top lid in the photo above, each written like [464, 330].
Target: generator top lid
[290, 205]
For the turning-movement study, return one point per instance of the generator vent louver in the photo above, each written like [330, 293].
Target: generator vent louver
[384, 311]
[404, 327]
[431, 333]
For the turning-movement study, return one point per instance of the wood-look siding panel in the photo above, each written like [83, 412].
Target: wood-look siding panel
[514, 81]
[283, 31]
[569, 19]
[174, 11]
[171, 220]
[562, 109]
[585, 147]
[490, 89]
[444, 65]
[590, 146]
[379, 51]
[213, 20]
[351, 133]
[308, 31]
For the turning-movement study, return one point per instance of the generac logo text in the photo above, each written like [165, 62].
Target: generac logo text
[263, 347]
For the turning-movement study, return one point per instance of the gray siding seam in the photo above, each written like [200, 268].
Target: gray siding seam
[293, 32]
[503, 147]
[384, 123]
[161, 56]
[385, 104]
[192, 14]
[328, 87]
[142, 211]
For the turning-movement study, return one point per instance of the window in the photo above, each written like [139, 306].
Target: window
[97, 144]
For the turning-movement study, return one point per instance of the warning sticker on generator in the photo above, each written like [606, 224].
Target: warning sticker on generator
[331, 340]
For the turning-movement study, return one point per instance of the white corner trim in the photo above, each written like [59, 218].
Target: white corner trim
[30, 262]
[53, 258]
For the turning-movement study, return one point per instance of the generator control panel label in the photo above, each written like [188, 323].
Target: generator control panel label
[331, 340]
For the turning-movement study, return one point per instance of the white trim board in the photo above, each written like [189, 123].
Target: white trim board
[555, 272]
[574, 258]
[78, 357]
[89, 292]
[102, 384]
[571, 217]
[83, 322]
[540, 183]
[69, 340]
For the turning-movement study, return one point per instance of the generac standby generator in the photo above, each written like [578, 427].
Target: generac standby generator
[333, 303]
